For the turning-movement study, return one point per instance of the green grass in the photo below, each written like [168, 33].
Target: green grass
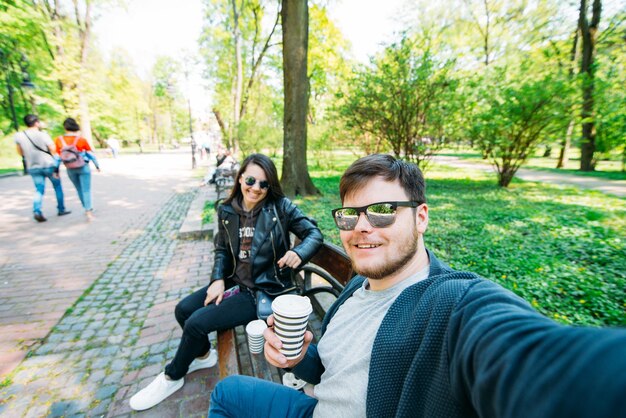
[561, 249]
[208, 212]
[605, 169]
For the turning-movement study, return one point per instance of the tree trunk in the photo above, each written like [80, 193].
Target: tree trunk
[589, 34]
[238, 87]
[547, 152]
[84, 32]
[295, 176]
[567, 142]
[563, 154]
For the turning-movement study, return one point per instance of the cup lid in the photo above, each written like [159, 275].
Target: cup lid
[292, 306]
[256, 327]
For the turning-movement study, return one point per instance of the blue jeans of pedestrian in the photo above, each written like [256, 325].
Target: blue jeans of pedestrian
[245, 396]
[39, 176]
[81, 179]
[197, 321]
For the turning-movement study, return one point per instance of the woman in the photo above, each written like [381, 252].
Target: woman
[250, 252]
[79, 176]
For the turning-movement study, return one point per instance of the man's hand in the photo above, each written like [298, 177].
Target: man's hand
[55, 175]
[273, 344]
[215, 292]
[290, 259]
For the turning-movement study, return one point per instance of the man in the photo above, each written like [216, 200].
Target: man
[37, 148]
[411, 337]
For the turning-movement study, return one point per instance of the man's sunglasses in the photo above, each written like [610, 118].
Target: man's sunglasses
[379, 215]
[251, 181]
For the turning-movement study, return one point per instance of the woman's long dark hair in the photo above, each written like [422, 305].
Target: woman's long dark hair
[274, 192]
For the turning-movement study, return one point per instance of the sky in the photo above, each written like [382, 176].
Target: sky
[149, 28]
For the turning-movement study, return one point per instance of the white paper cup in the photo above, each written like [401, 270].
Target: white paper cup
[292, 306]
[291, 315]
[291, 321]
[254, 330]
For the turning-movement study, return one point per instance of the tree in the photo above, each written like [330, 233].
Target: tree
[295, 22]
[403, 100]
[589, 34]
[514, 116]
[235, 46]
[22, 41]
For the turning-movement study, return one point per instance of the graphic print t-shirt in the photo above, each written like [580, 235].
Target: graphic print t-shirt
[247, 222]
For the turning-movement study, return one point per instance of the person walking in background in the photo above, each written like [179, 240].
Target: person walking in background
[114, 146]
[75, 153]
[36, 148]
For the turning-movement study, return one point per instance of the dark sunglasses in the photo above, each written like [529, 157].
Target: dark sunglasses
[251, 181]
[379, 215]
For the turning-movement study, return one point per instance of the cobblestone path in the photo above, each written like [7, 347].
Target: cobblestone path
[119, 333]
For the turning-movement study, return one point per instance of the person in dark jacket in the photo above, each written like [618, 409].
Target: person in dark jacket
[250, 253]
[411, 337]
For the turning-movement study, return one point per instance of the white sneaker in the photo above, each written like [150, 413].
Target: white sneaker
[155, 392]
[290, 379]
[203, 363]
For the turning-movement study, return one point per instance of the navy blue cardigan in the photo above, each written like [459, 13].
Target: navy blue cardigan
[457, 345]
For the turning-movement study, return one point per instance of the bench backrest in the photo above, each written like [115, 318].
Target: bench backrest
[335, 261]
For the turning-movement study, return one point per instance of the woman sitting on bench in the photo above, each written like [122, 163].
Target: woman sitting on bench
[250, 253]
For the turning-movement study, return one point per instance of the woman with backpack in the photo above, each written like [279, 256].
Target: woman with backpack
[75, 153]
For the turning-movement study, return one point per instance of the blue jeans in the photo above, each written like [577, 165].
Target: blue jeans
[39, 176]
[245, 396]
[81, 178]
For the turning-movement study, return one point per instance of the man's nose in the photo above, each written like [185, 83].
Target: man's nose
[362, 223]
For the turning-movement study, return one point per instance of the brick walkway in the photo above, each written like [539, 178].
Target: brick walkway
[119, 332]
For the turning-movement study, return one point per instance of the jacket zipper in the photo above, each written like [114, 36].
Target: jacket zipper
[230, 244]
[275, 271]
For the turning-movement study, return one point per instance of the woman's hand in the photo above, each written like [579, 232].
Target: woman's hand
[273, 344]
[215, 292]
[290, 259]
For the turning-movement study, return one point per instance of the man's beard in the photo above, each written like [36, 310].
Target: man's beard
[395, 264]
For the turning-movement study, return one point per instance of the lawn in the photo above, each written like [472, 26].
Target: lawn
[605, 169]
[562, 249]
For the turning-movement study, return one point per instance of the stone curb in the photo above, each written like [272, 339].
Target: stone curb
[192, 227]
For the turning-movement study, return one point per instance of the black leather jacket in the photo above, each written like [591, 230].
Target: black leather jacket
[267, 244]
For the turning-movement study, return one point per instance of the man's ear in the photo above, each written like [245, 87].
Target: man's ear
[421, 218]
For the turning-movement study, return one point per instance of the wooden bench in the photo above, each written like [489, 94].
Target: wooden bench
[322, 279]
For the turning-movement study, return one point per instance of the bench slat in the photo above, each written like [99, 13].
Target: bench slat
[227, 354]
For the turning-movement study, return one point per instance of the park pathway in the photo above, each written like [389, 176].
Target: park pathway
[615, 187]
[93, 302]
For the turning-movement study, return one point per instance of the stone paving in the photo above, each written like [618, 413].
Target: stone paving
[119, 333]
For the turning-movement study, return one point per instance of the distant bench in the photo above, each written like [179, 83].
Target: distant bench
[321, 279]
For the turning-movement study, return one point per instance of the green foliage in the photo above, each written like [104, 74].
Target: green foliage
[401, 100]
[561, 249]
[208, 212]
[512, 117]
[23, 57]
[610, 98]
[255, 51]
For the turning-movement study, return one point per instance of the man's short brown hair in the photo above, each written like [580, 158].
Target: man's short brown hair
[388, 168]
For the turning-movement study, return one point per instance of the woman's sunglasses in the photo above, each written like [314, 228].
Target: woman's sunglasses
[251, 181]
[379, 215]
